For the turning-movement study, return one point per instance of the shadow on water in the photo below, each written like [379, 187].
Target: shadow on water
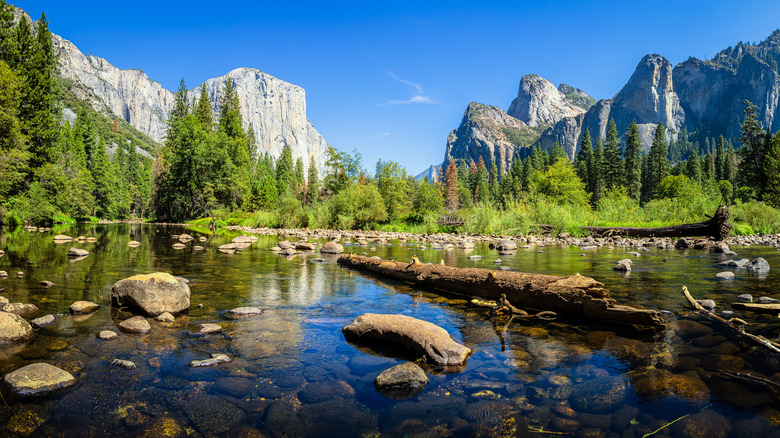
[294, 374]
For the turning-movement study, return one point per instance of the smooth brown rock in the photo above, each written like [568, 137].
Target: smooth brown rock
[244, 312]
[38, 378]
[332, 248]
[136, 324]
[704, 424]
[83, 307]
[165, 317]
[133, 244]
[61, 238]
[207, 329]
[421, 336]
[107, 335]
[20, 308]
[152, 294]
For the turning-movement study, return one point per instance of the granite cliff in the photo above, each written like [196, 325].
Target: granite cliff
[274, 108]
[700, 96]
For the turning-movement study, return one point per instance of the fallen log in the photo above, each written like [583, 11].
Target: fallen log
[731, 327]
[715, 227]
[758, 307]
[572, 295]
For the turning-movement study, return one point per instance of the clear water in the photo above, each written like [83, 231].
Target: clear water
[294, 374]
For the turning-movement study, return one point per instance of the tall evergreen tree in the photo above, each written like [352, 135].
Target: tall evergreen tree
[720, 159]
[658, 164]
[202, 110]
[772, 169]
[557, 152]
[7, 40]
[494, 189]
[596, 173]
[584, 161]
[313, 186]
[693, 168]
[39, 112]
[612, 161]
[633, 156]
[753, 151]
[482, 189]
[230, 120]
[285, 172]
[13, 145]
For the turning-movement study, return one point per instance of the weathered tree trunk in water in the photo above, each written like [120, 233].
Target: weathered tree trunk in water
[573, 295]
[758, 307]
[715, 227]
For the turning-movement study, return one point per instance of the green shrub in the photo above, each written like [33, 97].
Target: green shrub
[289, 213]
[759, 216]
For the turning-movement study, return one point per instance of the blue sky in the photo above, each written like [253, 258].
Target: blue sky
[391, 79]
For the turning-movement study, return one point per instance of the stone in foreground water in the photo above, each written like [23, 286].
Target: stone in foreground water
[404, 380]
[13, 328]
[152, 294]
[38, 378]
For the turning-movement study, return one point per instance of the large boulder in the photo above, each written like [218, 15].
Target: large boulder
[332, 248]
[152, 294]
[77, 252]
[38, 378]
[13, 328]
[420, 336]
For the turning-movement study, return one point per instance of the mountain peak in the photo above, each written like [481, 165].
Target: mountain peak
[540, 103]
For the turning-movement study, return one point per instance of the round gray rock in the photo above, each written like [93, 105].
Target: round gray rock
[725, 275]
[13, 328]
[332, 248]
[152, 294]
[38, 378]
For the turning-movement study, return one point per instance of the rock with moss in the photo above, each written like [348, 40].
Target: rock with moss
[37, 379]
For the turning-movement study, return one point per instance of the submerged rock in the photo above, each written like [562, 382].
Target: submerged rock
[13, 328]
[43, 321]
[206, 329]
[404, 380]
[107, 335]
[77, 252]
[165, 317]
[38, 378]
[418, 335]
[622, 265]
[599, 396]
[126, 364]
[20, 308]
[215, 359]
[741, 263]
[244, 312]
[725, 275]
[152, 294]
[83, 307]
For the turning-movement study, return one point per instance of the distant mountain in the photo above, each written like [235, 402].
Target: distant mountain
[700, 96]
[432, 173]
[275, 109]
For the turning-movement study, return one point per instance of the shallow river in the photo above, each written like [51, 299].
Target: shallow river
[294, 374]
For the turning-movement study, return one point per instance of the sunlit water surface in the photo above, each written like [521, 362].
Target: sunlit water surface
[294, 374]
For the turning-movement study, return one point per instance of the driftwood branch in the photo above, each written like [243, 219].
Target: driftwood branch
[716, 227]
[732, 328]
[573, 295]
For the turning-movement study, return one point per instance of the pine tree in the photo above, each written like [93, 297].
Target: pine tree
[299, 185]
[285, 172]
[658, 164]
[693, 168]
[39, 112]
[203, 110]
[180, 110]
[557, 152]
[13, 145]
[7, 41]
[720, 160]
[584, 161]
[772, 169]
[753, 151]
[20, 47]
[85, 129]
[633, 156]
[539, 158]
[313, 188]
[612, 161]
[517, 176]
[482, 190]
[451, 185]
[597, 173]
[230, 120]
[494, 189]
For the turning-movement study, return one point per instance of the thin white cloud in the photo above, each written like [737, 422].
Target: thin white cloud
[382, 134]
[418, 96]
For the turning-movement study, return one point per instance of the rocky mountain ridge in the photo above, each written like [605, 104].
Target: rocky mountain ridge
[275, 109]
[700, 96]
